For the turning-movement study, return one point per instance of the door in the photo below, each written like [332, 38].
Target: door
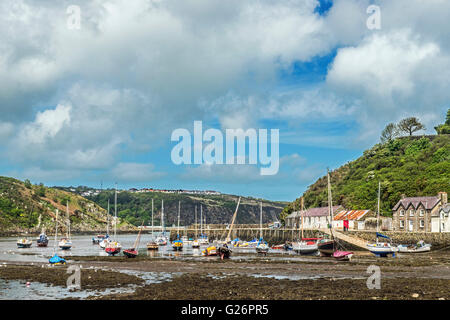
[411, 225]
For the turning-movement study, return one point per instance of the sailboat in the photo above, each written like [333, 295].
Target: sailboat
[161, 240]
[100, 237]
[42, 241]
[196, 242]
[305, 245]
[381, 249]
[221, 247]
[55, 260]
[24, 242]
[177, 245]
[65, 243]
[328, 247]
[203, 237]
[152, 245]
[262, 246]
[103, 243]
[114, 247]
[133, 252]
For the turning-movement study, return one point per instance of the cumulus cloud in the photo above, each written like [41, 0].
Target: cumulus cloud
[135, 172]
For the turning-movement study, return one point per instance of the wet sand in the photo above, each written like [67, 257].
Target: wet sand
[421, 276]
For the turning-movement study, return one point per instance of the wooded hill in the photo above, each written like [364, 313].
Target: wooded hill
[29, 208]
[411, 165]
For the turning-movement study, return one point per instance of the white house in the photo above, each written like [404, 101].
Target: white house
[313, 218]
[441, 223]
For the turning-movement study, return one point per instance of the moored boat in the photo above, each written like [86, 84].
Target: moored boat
[42, 241]
[419, 247]
[113, 248]
[306, 246]
[24, 243]
[210, 251]
[342, 255]
[56, 260]
[152, 245]
[262, 247]
[133, 252]
[195, 244]
[65, 244]
[326, 247]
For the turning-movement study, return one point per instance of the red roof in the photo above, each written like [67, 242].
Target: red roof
[351, 215]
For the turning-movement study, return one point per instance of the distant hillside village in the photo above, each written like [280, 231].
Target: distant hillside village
[95, 192]
[410, 214]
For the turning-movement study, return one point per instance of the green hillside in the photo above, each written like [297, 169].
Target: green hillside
[412, 165]
[27, 207]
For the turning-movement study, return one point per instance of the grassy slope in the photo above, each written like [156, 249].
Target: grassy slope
[24, 208]
[414, 166]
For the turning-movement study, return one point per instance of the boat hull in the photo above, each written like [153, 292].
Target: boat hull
[382, 249]
[326, 249]
[305, 249]
[152, 246]
[130, 253]
[405, 249]
[112, 251]
[23, 245]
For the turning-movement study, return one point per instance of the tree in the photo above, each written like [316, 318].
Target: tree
[389, 133]
[41, 190]
[410, 125]
[28, 184]
[444, 128]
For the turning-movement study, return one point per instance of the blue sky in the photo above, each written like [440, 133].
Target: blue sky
[81, 106]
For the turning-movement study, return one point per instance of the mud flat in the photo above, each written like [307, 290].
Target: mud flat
[277, 276]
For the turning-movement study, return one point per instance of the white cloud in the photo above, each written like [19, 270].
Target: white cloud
[135, 172]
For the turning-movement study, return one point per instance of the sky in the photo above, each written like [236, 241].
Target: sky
[98, 104]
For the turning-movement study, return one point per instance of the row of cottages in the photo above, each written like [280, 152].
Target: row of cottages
[427, 214]
[318, 218]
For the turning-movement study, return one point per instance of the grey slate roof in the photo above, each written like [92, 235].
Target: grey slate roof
[428, 202]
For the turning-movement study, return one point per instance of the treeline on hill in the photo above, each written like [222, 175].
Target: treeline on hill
[218, 209]
[409, 165]
[28, 207]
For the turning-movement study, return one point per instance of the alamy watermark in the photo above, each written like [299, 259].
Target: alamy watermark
[74, 280]
[374, 280]
[213, 152]
[373, 22]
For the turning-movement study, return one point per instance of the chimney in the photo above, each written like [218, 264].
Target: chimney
[443, 197]
[403, 196]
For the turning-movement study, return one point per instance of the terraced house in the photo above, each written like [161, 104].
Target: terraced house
[416, 214]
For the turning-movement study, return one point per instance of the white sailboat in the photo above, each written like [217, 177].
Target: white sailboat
[305, 245]
[177, 245]
[55, 260]
[381, 248]
[114, 247]
[203, 237]
[106, 240]
[161, 240]
[262, 246]
[196, 242]
[152, 245]
[65, 243]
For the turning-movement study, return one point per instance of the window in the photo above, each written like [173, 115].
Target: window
[402, 224]
[402, 213]
[411, 213]
[421, 212]
[422, 223]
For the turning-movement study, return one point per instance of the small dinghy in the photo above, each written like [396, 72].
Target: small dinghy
[343, 255]
[65, 244]
[278, 247]
[177, 245]
[24, 243]
[195, 244]
[419, 247]
[152, 245]
[210, 251]
[99, 238]
[42, 241]
[56, 260]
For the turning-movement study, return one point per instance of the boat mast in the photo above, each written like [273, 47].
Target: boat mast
[115, 212]
[196, 237]
[56, 232]
[162, 217]
[302, 217]
[232, 221]
[68, 219]
[201, 221]
[378, 209]
[178, 227]
[260, 220]
[330, 204]
[152, 219]
[107, 220]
